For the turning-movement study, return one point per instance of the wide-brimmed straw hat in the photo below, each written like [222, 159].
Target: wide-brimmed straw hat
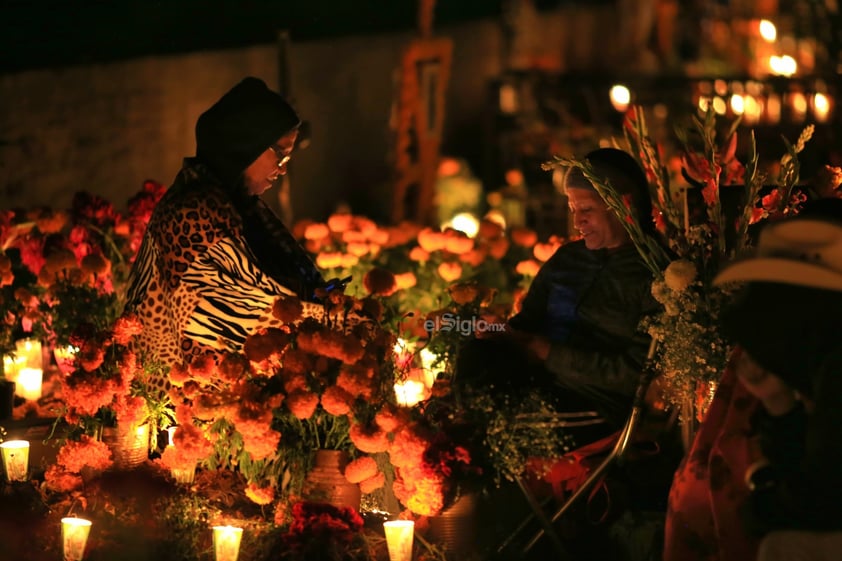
[803, 251]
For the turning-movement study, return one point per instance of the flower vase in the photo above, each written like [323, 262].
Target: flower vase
[184, 475]
[129, 445]
[455, 528]
[326, 481]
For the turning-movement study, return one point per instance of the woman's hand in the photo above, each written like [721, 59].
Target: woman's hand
[777, 397]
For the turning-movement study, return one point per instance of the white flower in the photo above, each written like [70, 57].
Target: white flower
[679, 275]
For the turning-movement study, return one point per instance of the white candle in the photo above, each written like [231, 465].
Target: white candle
[74, 537]
[399, 536]
[226, 542]
[28, 383]
[30, 349]
[15, 459]
[11, 365]
[409, 392]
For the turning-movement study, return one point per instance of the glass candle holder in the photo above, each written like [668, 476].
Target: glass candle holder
[29, 382]
[15, 459]
[74, 537]
[184, 475]
[226, 542]
[399, 537]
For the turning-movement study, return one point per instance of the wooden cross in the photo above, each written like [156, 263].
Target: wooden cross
[420, 105]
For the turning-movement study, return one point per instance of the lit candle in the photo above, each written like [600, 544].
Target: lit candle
[226, 542]
[15, 459]
[409, 392]
[171, 436]
[74, 537]
[29, 382]
[399, 536]
[11, 365]
[30, 349]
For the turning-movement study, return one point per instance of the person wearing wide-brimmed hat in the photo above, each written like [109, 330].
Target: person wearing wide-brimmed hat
[768, 453]
[214, 257]
[788, 322]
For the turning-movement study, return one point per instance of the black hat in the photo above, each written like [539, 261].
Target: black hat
[623, 173]
[242, 125]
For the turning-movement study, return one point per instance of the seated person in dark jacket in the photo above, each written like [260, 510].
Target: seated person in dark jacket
[788, 320]
[579, 320]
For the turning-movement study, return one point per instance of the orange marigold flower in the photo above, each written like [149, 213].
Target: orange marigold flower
[379, 237]
[332, 344]
[431, 240]
[316, 231]
[90, 356]
[287, 309]
[380, 282]
[457, 242]
[329, 259]
[361, 469]
[357, 380]
[528, 268]
[389, 418]
[75, 455]
[127, 327]
[524, 237]
[368, 440]
[300, 227]
[337, 401]
[408, 447]
[475, 257]
[340, 221]
[373, 483]
[419, 254]
[260, 495]
[266, 346]
[203, 368]
[263, 445]
[297, 361]
[543, 251]
[130, 409]
[405, 280]
[233, 367]
[450, 271]
[357, 248]
[497, 248]
[347, 260]
[179, 374]
[52, 222]
[302, 404]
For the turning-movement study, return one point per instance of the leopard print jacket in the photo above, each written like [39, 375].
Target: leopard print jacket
[196, 283]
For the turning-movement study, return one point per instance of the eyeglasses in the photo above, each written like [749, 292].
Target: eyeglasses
[280, 153]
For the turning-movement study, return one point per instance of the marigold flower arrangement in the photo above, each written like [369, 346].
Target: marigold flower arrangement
[702, 226]
[109, 385]
[303, 386]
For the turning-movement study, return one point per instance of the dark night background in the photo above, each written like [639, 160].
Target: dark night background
[52, 33]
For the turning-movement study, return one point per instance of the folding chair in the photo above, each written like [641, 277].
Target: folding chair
[620, 447]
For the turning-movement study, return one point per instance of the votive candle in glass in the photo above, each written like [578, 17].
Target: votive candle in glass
[29, 382]
[74, 537]
[15, 459]
[226, 542]
[399, 537]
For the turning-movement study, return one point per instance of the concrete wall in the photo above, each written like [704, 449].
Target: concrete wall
[106, 128]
